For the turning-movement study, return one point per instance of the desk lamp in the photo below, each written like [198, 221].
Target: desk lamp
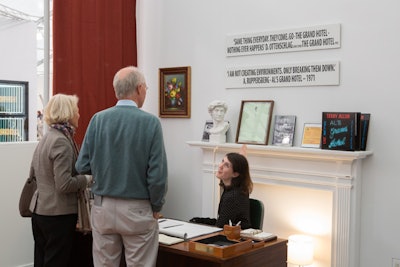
[300, 250]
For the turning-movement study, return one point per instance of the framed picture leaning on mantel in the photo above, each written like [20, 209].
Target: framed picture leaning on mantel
[174, 92]
[254, 122]
[284, 128]
[311, 135]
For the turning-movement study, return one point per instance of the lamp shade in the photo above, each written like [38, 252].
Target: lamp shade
[300, 250]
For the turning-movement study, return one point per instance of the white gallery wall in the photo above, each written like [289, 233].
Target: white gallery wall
[18, 63]
[18, 60]
[175, 33]
[178, 33]
[17, 241]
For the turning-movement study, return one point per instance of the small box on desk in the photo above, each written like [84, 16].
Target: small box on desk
[219, 246]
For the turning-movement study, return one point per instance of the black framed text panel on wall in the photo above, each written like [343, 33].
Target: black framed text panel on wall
[14, 111]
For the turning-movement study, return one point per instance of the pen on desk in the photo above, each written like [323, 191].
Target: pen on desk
[162, 220]
[171, 226]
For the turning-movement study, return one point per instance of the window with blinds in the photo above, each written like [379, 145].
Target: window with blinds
[13, 111]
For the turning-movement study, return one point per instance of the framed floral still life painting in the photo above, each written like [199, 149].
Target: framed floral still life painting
[254, 122]
[175, 92]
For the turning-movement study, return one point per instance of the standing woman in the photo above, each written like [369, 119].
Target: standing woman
[55, 207]
[234, 205]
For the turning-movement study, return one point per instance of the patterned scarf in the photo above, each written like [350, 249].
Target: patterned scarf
[68, 130]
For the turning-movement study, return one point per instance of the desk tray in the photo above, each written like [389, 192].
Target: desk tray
[219, 246]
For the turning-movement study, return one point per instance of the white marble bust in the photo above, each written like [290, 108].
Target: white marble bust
[217, 110]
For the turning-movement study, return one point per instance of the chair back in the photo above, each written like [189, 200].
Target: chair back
[256, 213]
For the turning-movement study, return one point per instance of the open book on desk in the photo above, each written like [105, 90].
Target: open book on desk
[179, 228]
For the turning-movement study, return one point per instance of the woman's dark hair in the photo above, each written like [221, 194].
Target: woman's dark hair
[241, 166]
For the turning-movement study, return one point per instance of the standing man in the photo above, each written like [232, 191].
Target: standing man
[124, 150]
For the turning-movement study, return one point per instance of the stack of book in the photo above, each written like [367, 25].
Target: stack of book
[346, 131]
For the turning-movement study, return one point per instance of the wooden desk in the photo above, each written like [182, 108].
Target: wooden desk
[272, 254]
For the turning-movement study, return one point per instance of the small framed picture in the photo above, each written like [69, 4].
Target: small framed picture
[254, 122]
[207, 126]
[284, 128]
[311, 135]
[206, 132]
[174, 92]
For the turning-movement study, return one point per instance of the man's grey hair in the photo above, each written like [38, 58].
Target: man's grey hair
[126, 85]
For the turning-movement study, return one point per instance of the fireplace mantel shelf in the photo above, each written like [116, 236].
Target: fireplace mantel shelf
[339, 172]
[281, 151]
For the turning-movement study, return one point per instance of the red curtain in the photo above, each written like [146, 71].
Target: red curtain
[92, 39]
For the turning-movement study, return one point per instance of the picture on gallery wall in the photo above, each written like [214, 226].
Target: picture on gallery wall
[14, 119]
[284, 127]
[174, 92]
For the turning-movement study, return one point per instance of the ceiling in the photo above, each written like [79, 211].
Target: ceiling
[27, 10]
[30, 7]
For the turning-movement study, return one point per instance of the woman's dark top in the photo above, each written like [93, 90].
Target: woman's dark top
[234, 205]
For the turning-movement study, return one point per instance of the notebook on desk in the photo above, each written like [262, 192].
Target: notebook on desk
[257, 234]
[185, 230]
[169, 240]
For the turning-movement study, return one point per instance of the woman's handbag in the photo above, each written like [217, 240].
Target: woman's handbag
[28, 190]
[84, 207]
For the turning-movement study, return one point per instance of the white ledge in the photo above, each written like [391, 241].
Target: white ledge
[281, 151]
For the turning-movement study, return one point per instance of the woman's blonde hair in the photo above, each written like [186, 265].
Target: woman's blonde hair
[61, 108]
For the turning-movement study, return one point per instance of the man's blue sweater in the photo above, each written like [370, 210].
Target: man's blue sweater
[124, 150]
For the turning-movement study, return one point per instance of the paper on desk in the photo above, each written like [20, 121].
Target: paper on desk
[168, 240]
[180, 228]
[167, 223]
[257, 234]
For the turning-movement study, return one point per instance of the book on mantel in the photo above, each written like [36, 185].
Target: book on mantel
[284, 127]
[365, 118]
[341, 131]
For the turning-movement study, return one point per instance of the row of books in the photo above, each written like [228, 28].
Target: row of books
[346, 131]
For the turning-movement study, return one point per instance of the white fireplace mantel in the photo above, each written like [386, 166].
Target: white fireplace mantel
[336, 171]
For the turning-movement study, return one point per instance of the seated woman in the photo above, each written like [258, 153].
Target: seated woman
[234, 205]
